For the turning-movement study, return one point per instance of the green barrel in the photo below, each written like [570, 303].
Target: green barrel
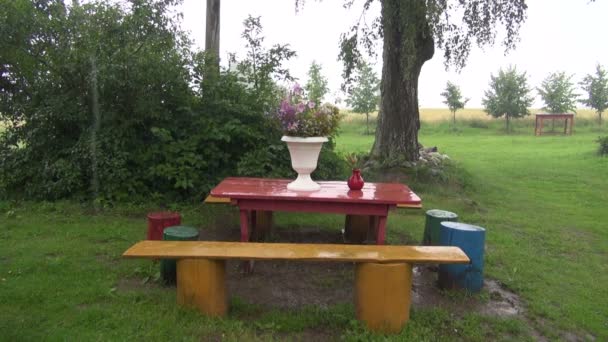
[432, 227]
[175, 233]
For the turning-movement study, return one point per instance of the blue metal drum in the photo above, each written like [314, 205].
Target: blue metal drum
[471, 239]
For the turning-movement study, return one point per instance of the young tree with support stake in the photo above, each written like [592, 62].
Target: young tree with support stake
[453, 98]
[364, 96]
[596, 88]
[410, 30]
[508, 96]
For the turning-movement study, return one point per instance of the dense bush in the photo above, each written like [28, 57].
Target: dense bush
[478, 123]
[603, 149]
[107, 102]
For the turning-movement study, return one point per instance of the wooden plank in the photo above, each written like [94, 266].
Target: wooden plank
[217, 200]
[225, 200]
[292, 251]
[409, 206]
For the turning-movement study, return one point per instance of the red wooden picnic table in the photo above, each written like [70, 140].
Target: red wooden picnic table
[263, 194]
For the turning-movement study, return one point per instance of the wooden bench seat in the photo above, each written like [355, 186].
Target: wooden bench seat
[383, 275]
[223, 200]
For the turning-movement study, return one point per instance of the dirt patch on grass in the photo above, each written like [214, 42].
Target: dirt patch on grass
[495, 300]
[290, 285]
[309, 335]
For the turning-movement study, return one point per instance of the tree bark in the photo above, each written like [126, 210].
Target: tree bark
[408, 44]
[94, 130]
[212, 31]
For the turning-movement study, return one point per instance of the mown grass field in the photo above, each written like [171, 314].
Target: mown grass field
[542, 200]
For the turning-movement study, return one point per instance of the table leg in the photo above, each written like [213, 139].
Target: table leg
[252, 225]
[380, 238]
[541, 127]
[247, 265]
[260, 226]
[244, 225]
[357, 228]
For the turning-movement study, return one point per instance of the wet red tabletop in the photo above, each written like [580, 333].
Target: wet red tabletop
[263, 194]
[333, 191]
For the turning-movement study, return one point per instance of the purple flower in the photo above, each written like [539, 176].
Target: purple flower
[298, 116]
[285, 106]
[287, 110]
[300, 108]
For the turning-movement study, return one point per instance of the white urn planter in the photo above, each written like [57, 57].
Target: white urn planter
[304, 154]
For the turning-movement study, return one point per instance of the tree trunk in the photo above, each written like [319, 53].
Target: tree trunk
[600, 115]
[367, 123]
[454, 118]
[408, 43]
[94, 130]
[212, 31]
[507, 117]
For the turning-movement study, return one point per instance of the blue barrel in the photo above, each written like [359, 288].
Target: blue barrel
[176, 233]
[432, 226]
[471, 239]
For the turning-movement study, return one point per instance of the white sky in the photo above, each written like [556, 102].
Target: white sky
[558, 35]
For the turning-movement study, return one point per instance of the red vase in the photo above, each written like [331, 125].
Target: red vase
[355, 182]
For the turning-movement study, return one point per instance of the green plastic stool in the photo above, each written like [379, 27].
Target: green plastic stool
[176, 233]
[432, 227]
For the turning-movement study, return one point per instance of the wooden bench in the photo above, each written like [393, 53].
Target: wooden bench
[223, 200]
[383, 274]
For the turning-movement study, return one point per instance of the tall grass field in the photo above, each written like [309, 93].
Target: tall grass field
[543, 201]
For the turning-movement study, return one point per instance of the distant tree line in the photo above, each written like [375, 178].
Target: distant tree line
[509, 94]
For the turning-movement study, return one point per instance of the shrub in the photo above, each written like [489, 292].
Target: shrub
[603, 149]
[479, 123]
[137, 121]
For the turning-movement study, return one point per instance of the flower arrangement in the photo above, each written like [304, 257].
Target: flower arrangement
[300, 117]
[352, 159]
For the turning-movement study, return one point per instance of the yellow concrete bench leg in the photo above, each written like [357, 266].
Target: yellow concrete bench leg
[383, 295]
[201, 283]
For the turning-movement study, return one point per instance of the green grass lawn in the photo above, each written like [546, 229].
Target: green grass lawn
[542, 200]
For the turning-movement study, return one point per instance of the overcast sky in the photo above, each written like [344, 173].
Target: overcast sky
[558, 35]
